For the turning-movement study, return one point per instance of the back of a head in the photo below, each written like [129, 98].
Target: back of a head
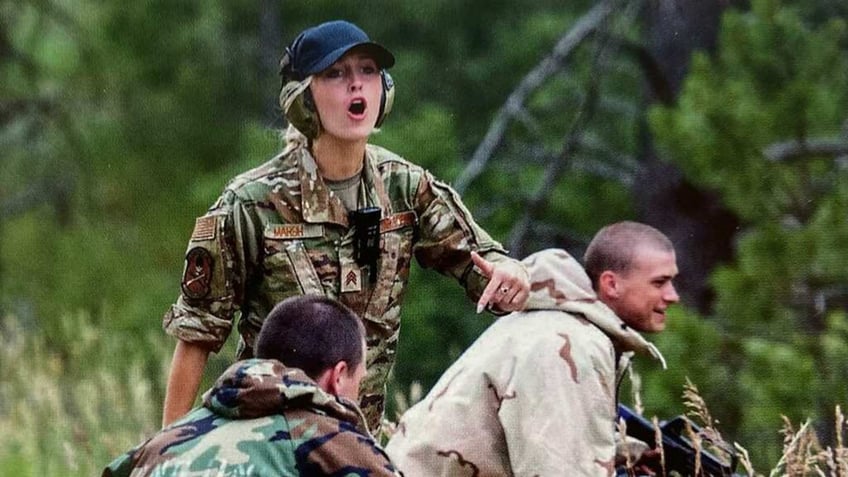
[613, 247]
[312, 333]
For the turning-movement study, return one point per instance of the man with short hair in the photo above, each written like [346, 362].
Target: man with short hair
[632, 266]
[536, 394]
[290, 411]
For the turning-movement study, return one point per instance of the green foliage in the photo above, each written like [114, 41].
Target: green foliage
[774, 78]
[121, 122]
[687, 344]
[427, 138]
[774, 372]
[72, 409]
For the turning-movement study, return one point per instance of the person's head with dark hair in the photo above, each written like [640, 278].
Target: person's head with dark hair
[320, 336]
[632, 266]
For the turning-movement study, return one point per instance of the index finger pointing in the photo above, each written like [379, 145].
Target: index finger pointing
[484, 265]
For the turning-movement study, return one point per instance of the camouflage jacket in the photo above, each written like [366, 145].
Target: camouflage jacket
[534, 395]
[278, 231]
[260, 419]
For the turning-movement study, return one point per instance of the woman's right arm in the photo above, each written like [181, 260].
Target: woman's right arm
[212, 288]
[187, 367]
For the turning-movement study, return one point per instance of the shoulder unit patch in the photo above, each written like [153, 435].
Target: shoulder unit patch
[197, 279]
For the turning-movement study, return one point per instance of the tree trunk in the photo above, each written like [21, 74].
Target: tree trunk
[270, 52]
[701, 228]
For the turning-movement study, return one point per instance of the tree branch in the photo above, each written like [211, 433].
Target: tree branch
[790, 150]
[514, 105]
[572, 143]
[654, 75]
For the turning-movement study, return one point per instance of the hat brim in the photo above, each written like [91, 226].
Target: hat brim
[383, 57]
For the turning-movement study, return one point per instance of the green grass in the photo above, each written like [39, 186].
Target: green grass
[67, 409]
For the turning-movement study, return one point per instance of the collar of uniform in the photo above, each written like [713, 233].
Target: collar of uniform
[318, 206]
[255, 388]
[375, 190]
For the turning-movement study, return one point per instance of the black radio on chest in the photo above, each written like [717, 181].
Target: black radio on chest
[366, 240]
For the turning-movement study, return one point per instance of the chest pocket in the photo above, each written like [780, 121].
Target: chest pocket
[396, 247]
[288, 269]
[397, 233]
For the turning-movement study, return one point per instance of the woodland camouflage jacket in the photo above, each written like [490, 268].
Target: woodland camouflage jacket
[278, 231]
[260, 419]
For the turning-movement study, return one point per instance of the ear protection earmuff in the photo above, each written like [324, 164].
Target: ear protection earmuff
[296, 99]
[387, 99]
[299, 107]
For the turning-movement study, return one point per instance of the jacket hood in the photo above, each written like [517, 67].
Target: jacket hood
[558, 282]
[261, 387]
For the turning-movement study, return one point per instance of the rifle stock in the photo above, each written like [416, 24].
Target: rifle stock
[679, 452]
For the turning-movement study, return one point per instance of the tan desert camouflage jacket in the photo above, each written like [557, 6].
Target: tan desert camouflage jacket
[534, 395]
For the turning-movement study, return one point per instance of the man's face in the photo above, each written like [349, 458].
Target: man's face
[642, 295]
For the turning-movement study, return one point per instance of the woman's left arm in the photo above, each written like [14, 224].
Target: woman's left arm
[450, 241]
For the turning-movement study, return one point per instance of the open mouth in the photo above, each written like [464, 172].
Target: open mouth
[357, 107]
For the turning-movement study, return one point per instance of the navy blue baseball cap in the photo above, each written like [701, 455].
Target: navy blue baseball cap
[318, 47]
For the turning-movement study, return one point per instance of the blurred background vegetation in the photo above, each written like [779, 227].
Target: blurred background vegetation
[723, 123]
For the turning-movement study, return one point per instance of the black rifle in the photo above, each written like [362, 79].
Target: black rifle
[677, 448]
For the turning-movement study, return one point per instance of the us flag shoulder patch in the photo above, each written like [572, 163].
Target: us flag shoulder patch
[204, 228]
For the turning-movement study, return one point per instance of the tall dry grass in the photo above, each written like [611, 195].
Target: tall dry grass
[67, 409]
[803, 456]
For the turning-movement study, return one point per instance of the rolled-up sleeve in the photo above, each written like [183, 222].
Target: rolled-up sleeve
[217, 261]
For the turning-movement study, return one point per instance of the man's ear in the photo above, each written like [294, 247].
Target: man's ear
[608, 285]
[330, 380]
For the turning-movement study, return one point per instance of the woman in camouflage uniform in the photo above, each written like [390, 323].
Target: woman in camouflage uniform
[330, 215]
